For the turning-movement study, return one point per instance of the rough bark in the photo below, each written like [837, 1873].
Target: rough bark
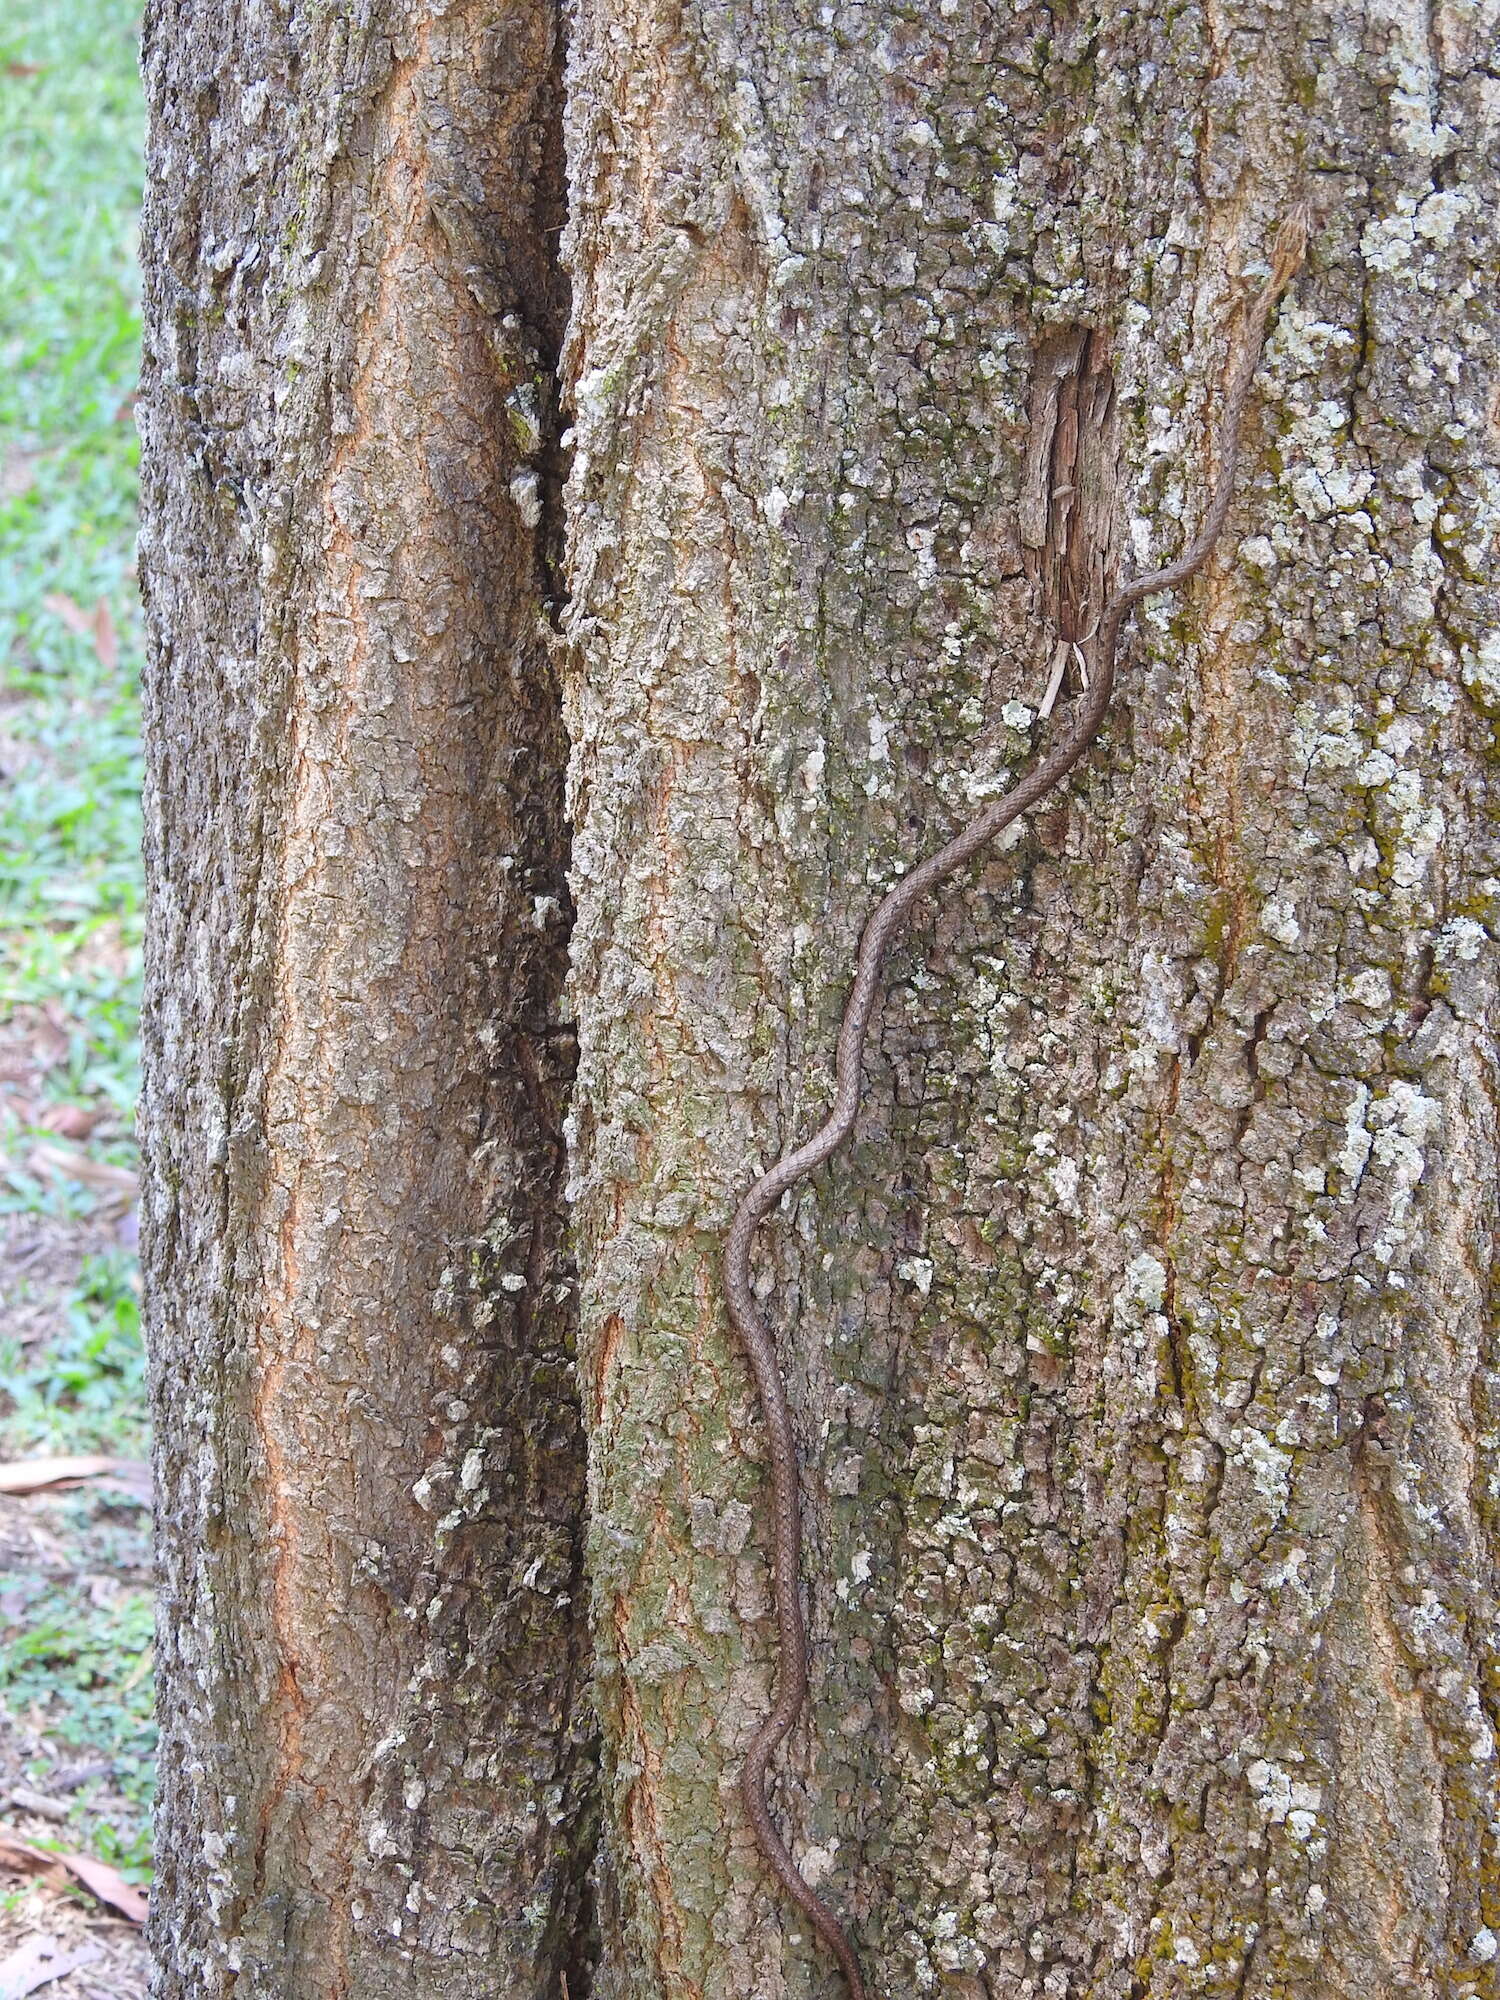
[375, 1772]
[1142, 1341]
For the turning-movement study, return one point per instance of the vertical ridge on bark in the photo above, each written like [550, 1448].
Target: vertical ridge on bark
[376, 1758]
[1142, 1344]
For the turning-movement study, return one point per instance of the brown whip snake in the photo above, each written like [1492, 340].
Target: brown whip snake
[886, 919]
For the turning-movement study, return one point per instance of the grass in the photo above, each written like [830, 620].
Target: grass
[84, 1391]
[74, 1635]
[70, 901]
[62, 1667]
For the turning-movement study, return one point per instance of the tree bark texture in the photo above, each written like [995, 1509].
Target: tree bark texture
[376, 1768]
[1140, 1339]
[1142, 1342]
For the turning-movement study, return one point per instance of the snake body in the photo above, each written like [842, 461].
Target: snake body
[886, 919]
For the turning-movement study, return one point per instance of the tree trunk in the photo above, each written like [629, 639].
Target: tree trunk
[1141, 1342]
[1138, 1340]
[375, 1773]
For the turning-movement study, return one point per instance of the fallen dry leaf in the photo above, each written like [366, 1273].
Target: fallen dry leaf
[72, 614]
[23, 69]
[25, 1859]
[97, 625]
[20, 1112]
[38, 1962]
[38, 1037]
[34, 1475]
[58, 1019]
[17, 473]
[107, 1883]
[106, 640]
[68, 1121]
[67, 1163]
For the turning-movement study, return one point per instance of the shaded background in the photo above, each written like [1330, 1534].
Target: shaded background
[76, 1735]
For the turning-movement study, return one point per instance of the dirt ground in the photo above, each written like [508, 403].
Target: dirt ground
[90, 1544]
[74, 1557]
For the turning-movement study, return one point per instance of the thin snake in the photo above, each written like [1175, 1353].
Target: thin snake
[888, 916]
